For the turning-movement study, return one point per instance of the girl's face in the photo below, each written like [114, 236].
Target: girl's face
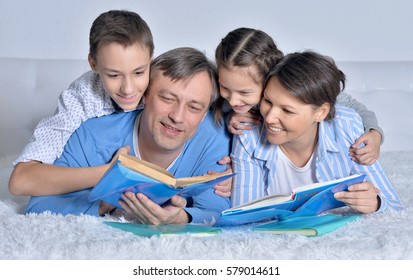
[239, 88]
[288, 121]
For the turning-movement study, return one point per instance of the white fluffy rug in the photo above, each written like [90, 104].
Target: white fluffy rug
[386, 236]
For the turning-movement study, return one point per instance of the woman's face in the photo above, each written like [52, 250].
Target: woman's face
[239, 88]
[288, 121]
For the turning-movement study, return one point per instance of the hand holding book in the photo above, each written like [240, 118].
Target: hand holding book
[129, 173]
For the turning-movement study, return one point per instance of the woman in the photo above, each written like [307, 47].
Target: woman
[305, 138]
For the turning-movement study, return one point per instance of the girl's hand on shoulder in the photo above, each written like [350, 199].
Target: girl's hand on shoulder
[368, 154]
[238, 122]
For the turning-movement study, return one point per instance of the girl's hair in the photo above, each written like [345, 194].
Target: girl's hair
[244, 47]
[120, 26]
[311, 77]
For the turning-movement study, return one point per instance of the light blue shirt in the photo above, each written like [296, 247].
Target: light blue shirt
[254, 160]
[97, 140]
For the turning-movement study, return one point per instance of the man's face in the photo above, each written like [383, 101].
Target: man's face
[174, 109]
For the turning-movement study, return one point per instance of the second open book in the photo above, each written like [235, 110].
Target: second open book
[308, 200]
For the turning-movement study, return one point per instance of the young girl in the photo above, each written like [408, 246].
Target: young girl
[305, 138]
[244, 58]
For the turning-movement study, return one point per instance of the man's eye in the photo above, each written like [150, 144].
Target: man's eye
[194, 109]
[167, 99]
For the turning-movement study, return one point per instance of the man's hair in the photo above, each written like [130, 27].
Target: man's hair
[182, 64]
[120, 26]
[311, 77]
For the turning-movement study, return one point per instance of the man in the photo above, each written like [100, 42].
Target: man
[175, 130]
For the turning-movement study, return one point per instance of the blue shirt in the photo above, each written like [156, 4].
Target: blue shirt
[97, 140]
[254, 160]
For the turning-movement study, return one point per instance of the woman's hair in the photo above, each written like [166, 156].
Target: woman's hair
[182, 64]
[120, 26]
[311, 77]
[244, 47]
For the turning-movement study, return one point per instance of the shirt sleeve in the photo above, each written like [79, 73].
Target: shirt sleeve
[351, 129]
[369, 117]
[249, 171]
[81, 101]
[376, 175]
[79, 152]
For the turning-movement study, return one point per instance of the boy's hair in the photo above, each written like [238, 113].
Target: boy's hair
[182, 64]
[311, 77]
[244, 47]
[120, 26]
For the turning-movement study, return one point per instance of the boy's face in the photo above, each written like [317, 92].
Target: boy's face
[174, 109]
[124, 72]
[239, 88]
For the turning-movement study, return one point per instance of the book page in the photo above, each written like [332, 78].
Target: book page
[263, 201]
[146, 168]
[182, 182]
[322, 185]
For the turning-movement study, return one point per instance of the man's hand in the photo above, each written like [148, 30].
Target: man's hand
[140, 208]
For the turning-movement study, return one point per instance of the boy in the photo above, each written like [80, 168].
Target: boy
[121, 49]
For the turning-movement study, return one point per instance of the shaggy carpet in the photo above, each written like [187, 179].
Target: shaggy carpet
[386, 236]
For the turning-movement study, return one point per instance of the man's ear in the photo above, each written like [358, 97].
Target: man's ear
[322, 112]
[92, 63]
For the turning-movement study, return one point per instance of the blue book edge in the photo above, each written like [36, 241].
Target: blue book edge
[307, 225]
[165, 230]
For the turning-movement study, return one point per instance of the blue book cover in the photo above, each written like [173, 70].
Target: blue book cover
[165, 230]
[307, 225]
[304, 201]
[132, 174]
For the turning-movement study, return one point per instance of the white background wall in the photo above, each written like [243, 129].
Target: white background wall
[346, 30]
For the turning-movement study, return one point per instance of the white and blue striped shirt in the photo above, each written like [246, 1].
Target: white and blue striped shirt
[254, 160]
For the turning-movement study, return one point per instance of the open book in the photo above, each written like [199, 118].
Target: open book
[166, 230]
[129, 173]
[303, 201]
[307, 225]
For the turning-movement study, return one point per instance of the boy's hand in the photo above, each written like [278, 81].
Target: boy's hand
[224, 188]
[368, 154]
